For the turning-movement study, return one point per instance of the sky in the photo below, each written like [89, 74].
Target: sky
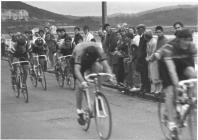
[93, 8]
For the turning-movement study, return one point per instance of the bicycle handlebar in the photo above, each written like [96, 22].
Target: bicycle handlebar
[19, 62]
[37, 56]
[67, 56]
[93, 75]
[189, 81]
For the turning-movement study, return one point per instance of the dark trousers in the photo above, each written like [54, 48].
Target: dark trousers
[144, 78]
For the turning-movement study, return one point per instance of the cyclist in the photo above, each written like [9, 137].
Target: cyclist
[64, 45]
[19, 52]
[88, 57]
[176, 62]
[39, 47]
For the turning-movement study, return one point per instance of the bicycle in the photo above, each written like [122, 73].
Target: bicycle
[64, 72]
[100, 109]
[186, 111]
[37, 73]
[17, 84]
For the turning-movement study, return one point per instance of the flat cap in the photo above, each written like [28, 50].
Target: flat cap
[141, 26]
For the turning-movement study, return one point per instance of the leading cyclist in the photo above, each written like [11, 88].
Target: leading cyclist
[176, 64]
[88, 57]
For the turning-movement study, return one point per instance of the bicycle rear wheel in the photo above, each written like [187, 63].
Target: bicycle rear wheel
[59, 77]
[103, 118]
[87, 112]
[25, 94]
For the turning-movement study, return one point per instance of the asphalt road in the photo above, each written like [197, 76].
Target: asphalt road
[51, 114]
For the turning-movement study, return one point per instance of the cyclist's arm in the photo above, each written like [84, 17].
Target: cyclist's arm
[172, 70]
[77, 68]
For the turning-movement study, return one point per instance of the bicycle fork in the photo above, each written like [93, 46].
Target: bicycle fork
[100, 109]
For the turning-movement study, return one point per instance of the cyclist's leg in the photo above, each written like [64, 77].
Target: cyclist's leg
[79, 98]
[169, 101]
[13, 70]
[25, 71]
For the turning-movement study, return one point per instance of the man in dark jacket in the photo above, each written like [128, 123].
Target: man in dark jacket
[142, 64]
[110, 42]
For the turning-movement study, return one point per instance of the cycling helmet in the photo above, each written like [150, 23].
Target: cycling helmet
[39, 41]
[20, 39]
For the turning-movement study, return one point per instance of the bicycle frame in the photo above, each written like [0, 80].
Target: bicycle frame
[97, 87]
[37, 59]
[18, 66]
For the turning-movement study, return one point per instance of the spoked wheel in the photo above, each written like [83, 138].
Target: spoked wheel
[59, 77]
[163, 120]
[43, 79]
[14, 86]
[24, 91]
[192, 122]
[33, 78]
[103, 118]
[86, 113]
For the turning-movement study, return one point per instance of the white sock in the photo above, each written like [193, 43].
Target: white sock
[79, 111]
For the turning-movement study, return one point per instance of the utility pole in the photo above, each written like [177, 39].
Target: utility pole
[104, 13]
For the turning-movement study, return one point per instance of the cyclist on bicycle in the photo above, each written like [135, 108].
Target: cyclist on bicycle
[64, 43]
[39, 47]
[88, 57]
[19, 52]
[176, 64]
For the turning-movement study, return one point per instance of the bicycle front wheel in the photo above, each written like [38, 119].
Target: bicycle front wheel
[87, 112]
[70, 81]
[103, 118]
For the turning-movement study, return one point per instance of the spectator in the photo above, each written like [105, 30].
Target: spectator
[142, 64]
[178, 26]
[110, 42]
[101, 34]
[77, 37]
[161, 40]
[46, 30]
[132, 30]
[117, 59]
[4, 47]
[88, 36]
[51, 43]
[153, 72]
[41, 33]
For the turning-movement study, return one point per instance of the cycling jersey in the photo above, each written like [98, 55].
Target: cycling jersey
[80, 50]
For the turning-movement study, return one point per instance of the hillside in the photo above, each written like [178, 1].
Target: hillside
[161, 16]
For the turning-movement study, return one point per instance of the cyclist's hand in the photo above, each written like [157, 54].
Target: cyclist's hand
[113, 79]
[84, 85]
